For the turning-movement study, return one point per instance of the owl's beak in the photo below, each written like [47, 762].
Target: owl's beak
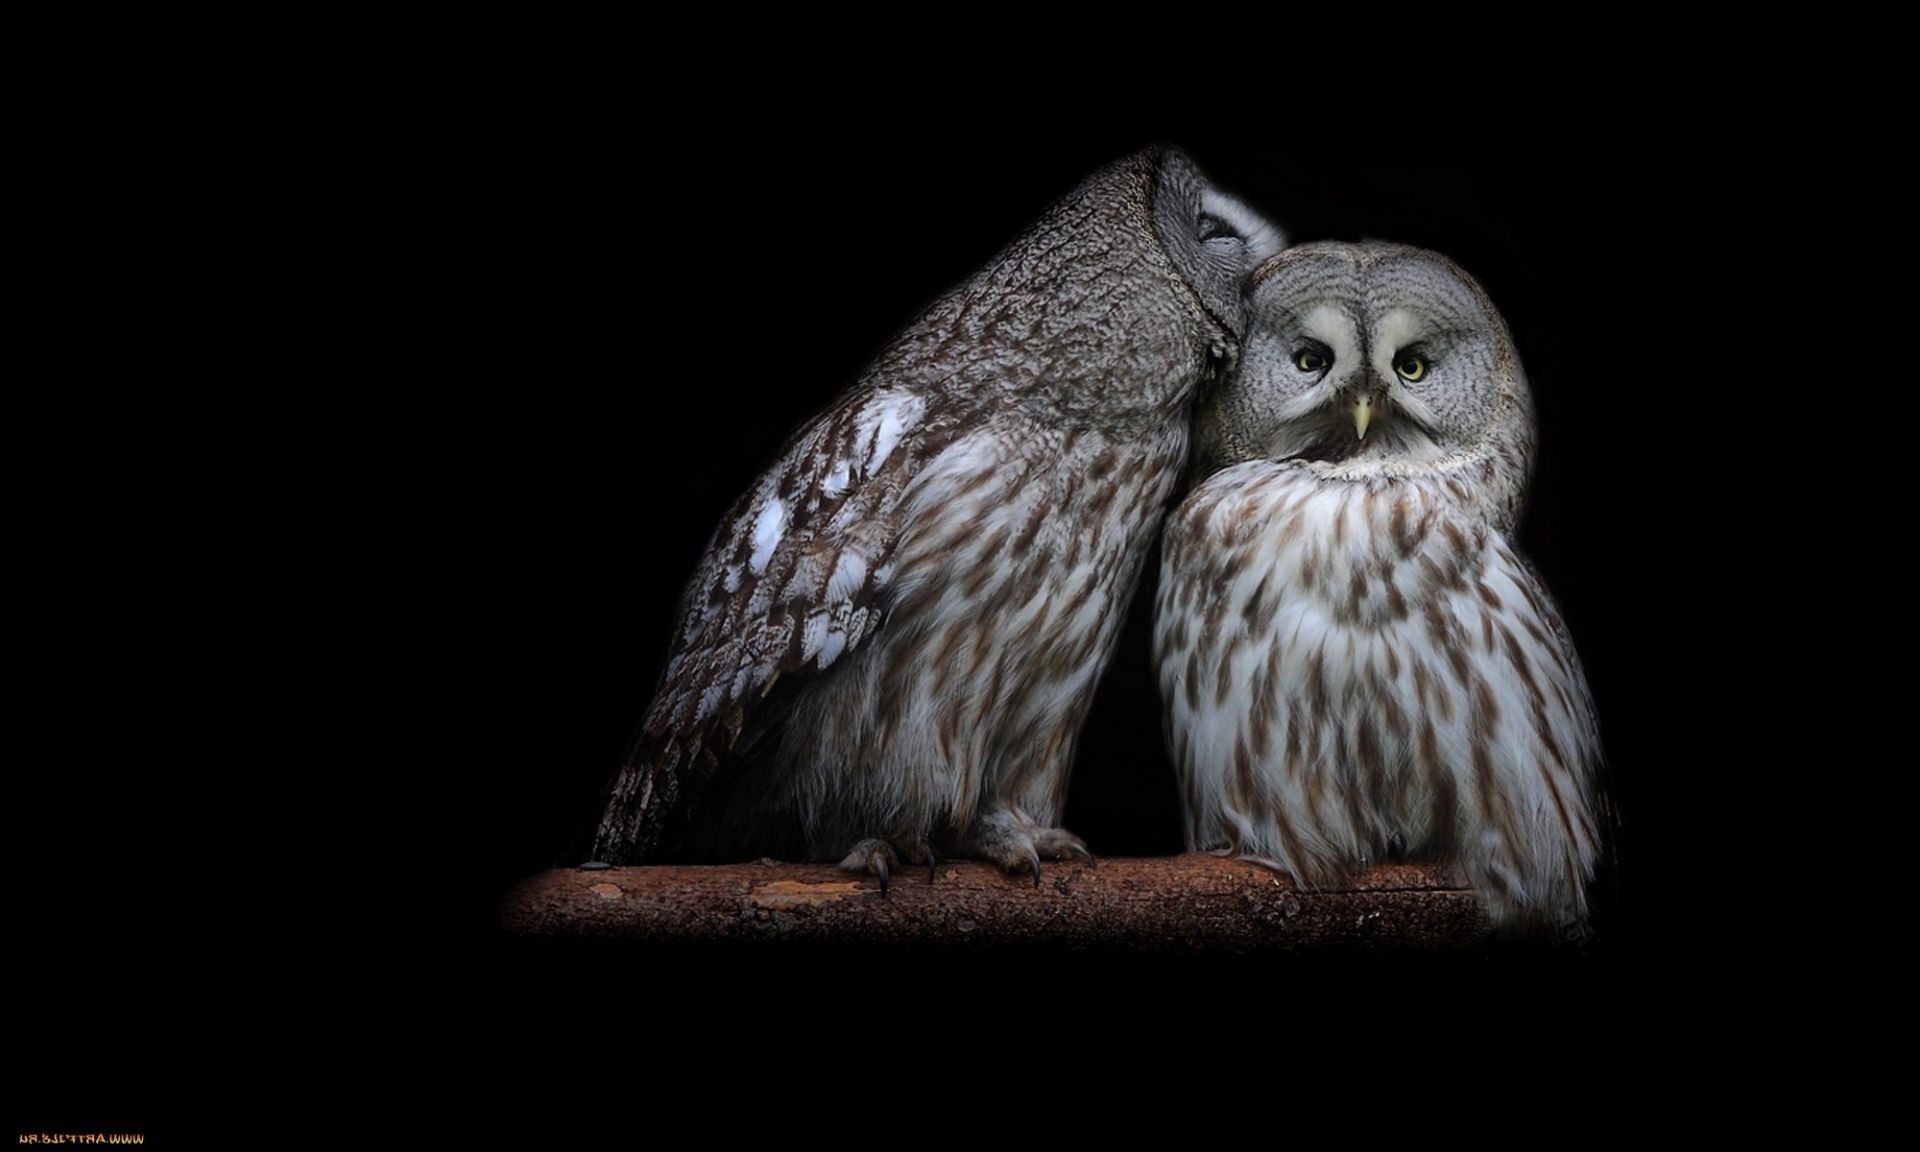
[1362, 415]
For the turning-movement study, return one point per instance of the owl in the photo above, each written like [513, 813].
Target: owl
[889, 648]
[1355, 662]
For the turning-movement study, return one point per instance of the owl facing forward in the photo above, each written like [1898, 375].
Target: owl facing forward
[1354, 662]
[893, 639]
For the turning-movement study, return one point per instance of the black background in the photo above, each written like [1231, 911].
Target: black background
[786, 257]
[586, 319]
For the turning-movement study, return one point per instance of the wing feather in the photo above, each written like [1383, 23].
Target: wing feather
[798, 576]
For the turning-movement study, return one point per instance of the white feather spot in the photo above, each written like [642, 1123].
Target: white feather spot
[813, 636]
[768, 527]
[885, 439]
[884, 423]
[830, 650]
[836, 482]
[848, 575]
[710, 700]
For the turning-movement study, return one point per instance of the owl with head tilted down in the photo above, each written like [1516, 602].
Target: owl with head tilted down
[891, 644]
[1355, 663]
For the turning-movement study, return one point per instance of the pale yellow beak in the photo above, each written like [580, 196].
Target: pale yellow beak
[1362, 416]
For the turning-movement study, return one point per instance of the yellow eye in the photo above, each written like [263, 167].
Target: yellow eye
[1309, 361]
[1411, 367]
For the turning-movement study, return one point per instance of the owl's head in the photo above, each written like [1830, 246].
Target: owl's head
[1373, 358]
[1214, 240]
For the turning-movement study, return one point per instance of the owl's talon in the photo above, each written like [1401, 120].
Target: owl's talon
[1018, 844]
[1060, 844]
[923, 853]
[874, 857]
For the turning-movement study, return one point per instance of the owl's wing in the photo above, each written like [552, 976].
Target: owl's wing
[1584, 712]
[1532, 719]
[796, 577]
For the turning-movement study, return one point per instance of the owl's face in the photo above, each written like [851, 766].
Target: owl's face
[1365, 355]
[1214, 240]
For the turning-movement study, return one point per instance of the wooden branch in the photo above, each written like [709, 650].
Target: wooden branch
[1195, 902]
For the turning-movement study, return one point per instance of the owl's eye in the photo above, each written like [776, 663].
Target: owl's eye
[1214, 228]
[1308, 360]
[1411, 367]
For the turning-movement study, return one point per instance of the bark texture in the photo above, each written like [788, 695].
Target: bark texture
[1190, 903]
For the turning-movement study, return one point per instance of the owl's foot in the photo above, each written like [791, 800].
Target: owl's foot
[874, 857]
[923, 850]
[1018, 844]
[878, 858]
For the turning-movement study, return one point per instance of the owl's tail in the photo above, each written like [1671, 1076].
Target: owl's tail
[636, 803]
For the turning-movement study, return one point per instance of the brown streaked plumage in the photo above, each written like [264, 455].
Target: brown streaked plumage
[892, 641]
[1408, 687]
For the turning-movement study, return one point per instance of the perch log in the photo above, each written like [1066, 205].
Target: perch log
[1195, 902]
